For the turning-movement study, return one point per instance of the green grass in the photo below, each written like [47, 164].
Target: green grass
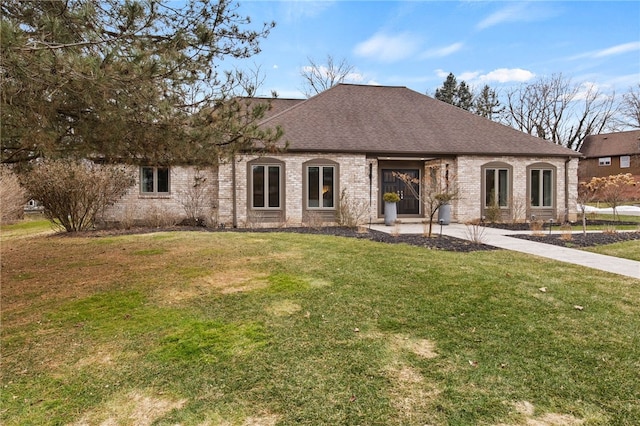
[626, 250]
[240, 328]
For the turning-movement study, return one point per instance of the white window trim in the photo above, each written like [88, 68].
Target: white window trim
[604, 161]
[625, 161]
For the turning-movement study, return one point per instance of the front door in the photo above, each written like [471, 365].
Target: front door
[409, 204]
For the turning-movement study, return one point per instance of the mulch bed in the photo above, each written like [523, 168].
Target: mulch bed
[436, 242]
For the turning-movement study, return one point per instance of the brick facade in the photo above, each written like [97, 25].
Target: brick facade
[226, 201]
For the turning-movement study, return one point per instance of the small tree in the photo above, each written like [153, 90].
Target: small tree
[586, 194]
[12, 196]
[437, 188]
[73, 193]
[614, 190]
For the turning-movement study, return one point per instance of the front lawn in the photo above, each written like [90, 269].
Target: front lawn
[198, 328]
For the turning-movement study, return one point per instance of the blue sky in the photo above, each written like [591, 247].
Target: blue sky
[417, 43]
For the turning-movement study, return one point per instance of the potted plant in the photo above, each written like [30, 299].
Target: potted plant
[390, 209]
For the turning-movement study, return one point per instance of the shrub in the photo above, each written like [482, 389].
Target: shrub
[390, 197]
[352, 213]
[73, 193]
[12, 196]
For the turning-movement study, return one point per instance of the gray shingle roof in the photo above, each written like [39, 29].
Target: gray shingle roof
[611, 144]
[399, 121]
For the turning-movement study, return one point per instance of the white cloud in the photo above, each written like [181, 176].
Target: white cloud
[500, 75]
[512, 13]
[518, 12]
[609, 51]
[442, 51]
[388, 48]
[295, 10]
[507, 75]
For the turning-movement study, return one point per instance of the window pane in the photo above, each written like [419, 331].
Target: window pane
[547, 188]
[327, 187]
[503, 188]
[274, 186]
[163, 179]
[535, 188]
[490, 187]
[314, 187]
[258, 186]
[146, 184]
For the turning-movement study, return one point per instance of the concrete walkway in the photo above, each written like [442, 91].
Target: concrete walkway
[500, 238]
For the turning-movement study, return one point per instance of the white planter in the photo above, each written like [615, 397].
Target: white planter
[390, 213]
[444, 214]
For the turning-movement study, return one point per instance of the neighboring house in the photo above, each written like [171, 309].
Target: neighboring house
[349, 140]
[610, 154]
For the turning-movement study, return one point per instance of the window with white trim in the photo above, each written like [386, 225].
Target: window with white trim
[321, 187]
[154, 180]
[604, 161]
[496, 185]
[625, 161]
[266, 186]
[541, 187]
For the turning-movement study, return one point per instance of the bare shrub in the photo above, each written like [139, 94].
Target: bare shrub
[12, 196]
[194, 200]
[351, 213]
[73, 193]
[609, 229]
[475, 232]
[519, 210]
[254, 219]
[565, 232]
[313, 220]
[536, 227]
[492, 213]
[159, 217]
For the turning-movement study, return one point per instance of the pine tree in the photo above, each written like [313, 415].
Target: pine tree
[125, 80]
[449, 90]
[487, 104]
[456, 94]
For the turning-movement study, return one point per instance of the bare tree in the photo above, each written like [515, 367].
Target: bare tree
[437, 188]
[555, 109]
[630, 108]
[318, 78]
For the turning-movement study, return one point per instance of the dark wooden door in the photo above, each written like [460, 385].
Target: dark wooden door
[409, 203]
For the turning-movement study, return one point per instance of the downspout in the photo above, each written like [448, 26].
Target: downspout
[234, 201]
[566, 189]
[370, 192]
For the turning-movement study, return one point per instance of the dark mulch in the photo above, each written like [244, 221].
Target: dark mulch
[577, 239]
[436, 242]
[580, 240]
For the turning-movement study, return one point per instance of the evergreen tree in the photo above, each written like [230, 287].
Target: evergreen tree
[464, 96]
[129, 80]
[455, 94]
[487, 104]
[448, 92]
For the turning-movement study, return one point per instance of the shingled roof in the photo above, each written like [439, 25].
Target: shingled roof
[387, 120]
[611, 144]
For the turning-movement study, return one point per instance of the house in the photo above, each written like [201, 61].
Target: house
[610, 154]
[346, 144]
